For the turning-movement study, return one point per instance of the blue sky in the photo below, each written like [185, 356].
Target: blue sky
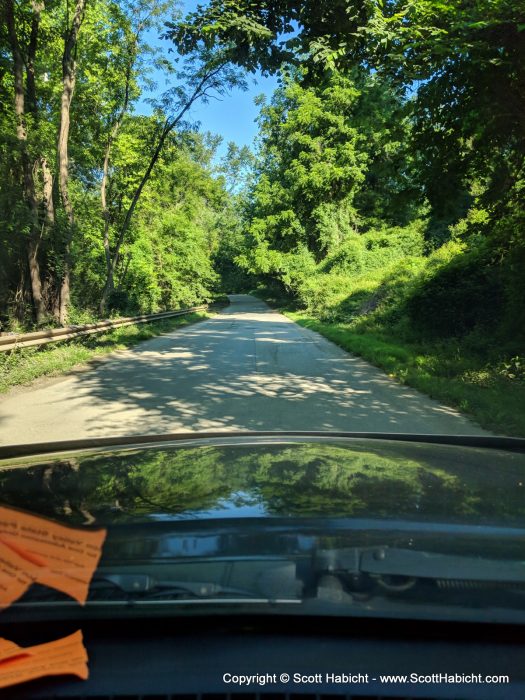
[234, 116]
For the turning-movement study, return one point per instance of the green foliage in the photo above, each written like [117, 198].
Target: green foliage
[467, 58]
[435, 140]
[348, 257]
[310, 166]
[166, 256]
[331, 183]
[363, 272]
[168, 260]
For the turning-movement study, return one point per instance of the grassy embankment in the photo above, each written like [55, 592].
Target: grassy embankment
[488, 390]
[27, 364]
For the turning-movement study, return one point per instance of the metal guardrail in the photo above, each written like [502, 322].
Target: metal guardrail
[53, 335]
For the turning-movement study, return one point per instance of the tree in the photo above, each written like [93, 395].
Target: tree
[333, 162]
[204, 76]
[23, 60]
[69, 75]
[267, 34]
[463, 59]
[176, 230]
[77, 162]
[310, 160]
[132, 21]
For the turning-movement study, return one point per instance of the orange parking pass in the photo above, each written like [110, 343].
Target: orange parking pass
[61, 657]
[33, 548]
[15, 575]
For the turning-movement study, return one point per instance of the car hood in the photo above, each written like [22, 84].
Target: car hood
[271, 477]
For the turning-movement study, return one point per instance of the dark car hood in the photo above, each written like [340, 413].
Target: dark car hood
[272, 477]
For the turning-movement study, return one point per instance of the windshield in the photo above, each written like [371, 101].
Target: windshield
[338, 526]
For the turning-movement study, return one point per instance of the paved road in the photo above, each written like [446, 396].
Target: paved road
[248, 367]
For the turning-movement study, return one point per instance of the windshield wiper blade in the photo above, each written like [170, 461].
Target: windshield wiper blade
[136, 588]
[147, 586]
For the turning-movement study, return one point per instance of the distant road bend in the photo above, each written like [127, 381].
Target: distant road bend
[248, 368]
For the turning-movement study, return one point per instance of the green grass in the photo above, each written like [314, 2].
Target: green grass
[24, 365]
[445, 372]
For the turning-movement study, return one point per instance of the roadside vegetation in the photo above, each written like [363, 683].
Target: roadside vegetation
[23, 366]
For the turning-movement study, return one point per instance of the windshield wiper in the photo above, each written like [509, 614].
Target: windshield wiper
[261, 581]
[148, 587]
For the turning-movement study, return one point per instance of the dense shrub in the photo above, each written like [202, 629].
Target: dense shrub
[361, 273]
[462, 295]
[386, 245]
[321, 293]
[347, 258]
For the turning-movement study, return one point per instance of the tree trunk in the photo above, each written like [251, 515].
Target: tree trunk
[28, 184]
[106, 217]
[47, 191]
[32, 106]
[124, 272]
[105, 170]
[68, 87]
[22, 294]
[104, 203]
